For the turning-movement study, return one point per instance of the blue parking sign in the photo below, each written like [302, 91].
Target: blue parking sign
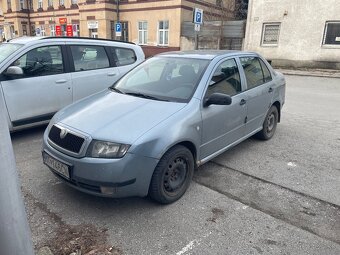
[198, 16]
[118, 29]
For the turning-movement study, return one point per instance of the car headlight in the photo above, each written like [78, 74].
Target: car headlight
[101, 149]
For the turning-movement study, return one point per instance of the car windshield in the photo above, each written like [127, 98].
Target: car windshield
[7, 49]
[163, 78]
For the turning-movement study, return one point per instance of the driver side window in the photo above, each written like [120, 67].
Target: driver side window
[226, 79]
[41, 61]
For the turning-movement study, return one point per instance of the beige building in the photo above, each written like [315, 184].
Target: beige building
[297, 33]
[154, 24]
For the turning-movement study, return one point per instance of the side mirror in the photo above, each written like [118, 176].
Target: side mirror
[218, 99]
[14, 71]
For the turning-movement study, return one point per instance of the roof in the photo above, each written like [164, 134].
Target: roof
[29, 39]
[203, 54]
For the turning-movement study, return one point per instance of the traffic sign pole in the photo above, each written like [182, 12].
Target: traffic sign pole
[198, 21]
[15, 235]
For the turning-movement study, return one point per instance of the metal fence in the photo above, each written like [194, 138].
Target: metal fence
[226, 35]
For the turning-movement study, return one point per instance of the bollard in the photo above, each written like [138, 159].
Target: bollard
[15, 234]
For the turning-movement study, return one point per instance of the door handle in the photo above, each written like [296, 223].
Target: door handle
[60, 81]
[111, 74]
[270, 90]
[243, 101]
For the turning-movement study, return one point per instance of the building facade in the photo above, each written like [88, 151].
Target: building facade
[295, 33]
[150, 23]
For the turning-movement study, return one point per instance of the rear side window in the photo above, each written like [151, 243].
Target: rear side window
[41, 61]
[87, 57]
[123, 56]
[256, 73]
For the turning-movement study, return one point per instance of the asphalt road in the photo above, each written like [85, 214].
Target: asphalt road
[276, 197]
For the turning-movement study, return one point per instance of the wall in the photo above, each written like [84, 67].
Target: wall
[301, 33]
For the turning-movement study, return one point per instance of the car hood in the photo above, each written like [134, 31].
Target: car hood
[115, 117]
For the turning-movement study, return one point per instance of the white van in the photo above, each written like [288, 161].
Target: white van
[41, 75]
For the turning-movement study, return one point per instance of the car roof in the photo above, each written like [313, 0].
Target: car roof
[204, 54]
[32, 39]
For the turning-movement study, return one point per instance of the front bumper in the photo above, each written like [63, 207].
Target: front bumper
[123, 177]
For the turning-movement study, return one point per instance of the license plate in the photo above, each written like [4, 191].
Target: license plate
[56, 165]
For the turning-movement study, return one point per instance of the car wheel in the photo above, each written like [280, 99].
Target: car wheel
[172, 175]
[269, 124]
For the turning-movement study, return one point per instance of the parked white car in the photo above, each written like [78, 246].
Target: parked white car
[40, 75]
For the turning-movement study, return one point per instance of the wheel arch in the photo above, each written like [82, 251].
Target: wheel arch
[277, 104]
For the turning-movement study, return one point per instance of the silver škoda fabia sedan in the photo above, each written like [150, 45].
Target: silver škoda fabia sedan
[147, 133]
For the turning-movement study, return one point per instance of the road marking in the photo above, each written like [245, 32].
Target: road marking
[291, 164]
[188, 247]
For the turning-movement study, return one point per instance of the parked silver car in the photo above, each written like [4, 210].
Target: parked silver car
[172, 113]
[41, 75]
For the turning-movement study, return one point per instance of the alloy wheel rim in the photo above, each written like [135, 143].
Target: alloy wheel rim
[271, 122]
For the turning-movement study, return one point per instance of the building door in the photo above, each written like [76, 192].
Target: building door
[93, 33]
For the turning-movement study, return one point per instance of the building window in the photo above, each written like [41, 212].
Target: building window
[163, 32]
[76, 30]
[61, 2]
[52, 30]
[40, 4]
[22, 4]
[332, 33]
[74, 1]
[30, 4]
[24, 29]
[50, 3]
[9, 5]
[270, 34]
[142, 32]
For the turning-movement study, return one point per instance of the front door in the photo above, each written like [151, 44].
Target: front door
[43, 88]
[223, 124]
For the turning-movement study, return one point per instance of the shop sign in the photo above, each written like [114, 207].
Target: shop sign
[92, 24]
[62, 21]
[58, 30]
[69, 30]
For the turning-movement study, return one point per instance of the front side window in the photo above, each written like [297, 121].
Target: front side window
[254, 71]
[89, 57]
[41, 61]
[332, 33]
[124, 56]
[270, 34]
[163, 32]
[226, 79]
[164, 78]
[142, 32]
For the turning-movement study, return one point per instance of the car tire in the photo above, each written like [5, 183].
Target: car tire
[172, 175]
[269, 124]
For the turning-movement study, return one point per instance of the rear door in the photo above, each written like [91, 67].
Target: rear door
[92, 69]
[43, 89]
[259, 91]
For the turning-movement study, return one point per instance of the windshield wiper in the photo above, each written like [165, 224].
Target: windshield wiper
[137, 94]
[116, 90]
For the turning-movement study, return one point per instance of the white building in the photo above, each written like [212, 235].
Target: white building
[295, 33]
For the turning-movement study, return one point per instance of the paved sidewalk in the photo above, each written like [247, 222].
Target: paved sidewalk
[311, 72]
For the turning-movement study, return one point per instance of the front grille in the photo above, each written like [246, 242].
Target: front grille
[70, 142]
